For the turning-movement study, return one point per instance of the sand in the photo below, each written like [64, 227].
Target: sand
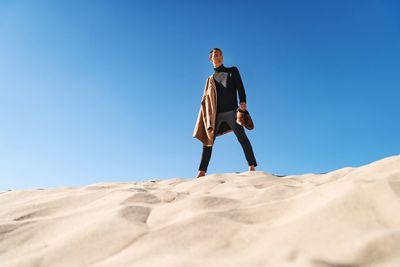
[344, 218]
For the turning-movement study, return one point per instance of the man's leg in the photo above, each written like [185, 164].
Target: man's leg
[243, 139]
[206, 153]
[205, 158]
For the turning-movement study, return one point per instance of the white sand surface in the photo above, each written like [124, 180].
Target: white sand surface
[349, 217]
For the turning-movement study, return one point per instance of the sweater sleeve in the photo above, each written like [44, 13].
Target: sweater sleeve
[239, 85]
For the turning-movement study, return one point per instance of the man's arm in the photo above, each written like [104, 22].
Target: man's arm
[239, 85]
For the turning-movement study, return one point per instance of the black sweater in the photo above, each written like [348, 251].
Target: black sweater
[228, 83]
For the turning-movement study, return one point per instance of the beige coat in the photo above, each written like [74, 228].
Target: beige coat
[204, 129]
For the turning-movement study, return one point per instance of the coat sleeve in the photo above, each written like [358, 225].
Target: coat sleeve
[204, 91]
[205, 103]
[208, 111]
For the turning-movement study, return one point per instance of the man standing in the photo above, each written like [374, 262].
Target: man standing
[228, 84]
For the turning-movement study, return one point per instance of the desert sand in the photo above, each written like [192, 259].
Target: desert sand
[349, 217]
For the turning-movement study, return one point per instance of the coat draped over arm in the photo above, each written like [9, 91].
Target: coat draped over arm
[204, 129]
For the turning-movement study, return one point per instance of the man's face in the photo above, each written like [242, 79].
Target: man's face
[216, 57]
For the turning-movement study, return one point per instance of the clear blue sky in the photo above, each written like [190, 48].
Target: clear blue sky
[98, 91]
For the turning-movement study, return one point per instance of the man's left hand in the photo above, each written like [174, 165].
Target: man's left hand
[243, 106]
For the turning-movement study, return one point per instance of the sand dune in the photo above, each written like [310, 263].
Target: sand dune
[349, 217]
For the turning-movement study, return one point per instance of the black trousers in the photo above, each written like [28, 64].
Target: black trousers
[230, 118]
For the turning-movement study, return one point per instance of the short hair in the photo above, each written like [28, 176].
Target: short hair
[215, 48]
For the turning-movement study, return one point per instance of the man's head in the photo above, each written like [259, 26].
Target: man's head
[216, 56]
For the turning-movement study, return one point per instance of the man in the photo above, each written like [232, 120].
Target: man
[228, 84]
